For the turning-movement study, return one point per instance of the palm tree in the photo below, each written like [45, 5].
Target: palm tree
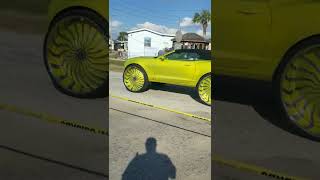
[204, 17]
[123, 36]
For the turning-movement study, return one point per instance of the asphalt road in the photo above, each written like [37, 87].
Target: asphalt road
[34, 149]
[174, 97]
[248, 129]
[31, 148]
[184, 140]
[245, 121]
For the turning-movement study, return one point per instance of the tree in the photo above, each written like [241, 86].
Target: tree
[123, 36]
[204, 17]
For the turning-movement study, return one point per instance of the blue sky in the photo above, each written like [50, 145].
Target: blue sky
[158, 15]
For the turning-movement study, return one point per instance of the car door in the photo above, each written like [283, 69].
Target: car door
[241, 29]
[175, 68]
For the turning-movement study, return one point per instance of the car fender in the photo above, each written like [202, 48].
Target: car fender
[150, 73]
[290, 26]
[202, 68]
[58, 6]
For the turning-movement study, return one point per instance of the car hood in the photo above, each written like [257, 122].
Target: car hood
[139, 60]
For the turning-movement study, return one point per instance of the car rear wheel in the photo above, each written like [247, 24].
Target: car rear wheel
[135, 79]
[76, 53]
[298, 88]
[204, 89]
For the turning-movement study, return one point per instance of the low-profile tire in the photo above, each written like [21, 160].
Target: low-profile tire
[158, 84]
[204, 89]
[76, 53]
[135, 79]
[297, 88]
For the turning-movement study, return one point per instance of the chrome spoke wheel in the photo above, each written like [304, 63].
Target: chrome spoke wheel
[300, 90]
[204, 89]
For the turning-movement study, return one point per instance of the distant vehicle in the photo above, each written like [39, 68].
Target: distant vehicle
[277, 41]
[190, 68]
[76, 47]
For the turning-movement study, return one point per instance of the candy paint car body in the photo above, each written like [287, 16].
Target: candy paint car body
[177, 72]
[252, 37]
[277, 41]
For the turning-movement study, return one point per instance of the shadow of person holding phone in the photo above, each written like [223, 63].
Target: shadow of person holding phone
[150, 165]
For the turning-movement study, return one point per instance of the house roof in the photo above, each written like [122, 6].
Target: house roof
[149, 30]
[192, 37]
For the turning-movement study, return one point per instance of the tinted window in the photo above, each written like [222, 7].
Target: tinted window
[197, 54]
[177, 56]
[184, 56]
[205, 55]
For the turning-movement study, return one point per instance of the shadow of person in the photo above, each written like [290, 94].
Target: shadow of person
[150, 165]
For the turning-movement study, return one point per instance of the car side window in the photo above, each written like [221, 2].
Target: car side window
[193, 56]
[179, 56]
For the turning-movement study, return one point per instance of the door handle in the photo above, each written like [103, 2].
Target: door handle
[251, 8]
[187, 65]
[248, 11]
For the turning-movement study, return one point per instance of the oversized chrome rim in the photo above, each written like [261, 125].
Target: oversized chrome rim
[77, 55]
[134, 78]
[300, 90]
[204, 89]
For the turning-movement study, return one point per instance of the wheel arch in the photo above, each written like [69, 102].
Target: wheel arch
[202, 77]
[288, 53]
[57, 8]
[148, 72]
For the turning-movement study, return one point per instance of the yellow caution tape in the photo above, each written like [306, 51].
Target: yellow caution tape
[254, 169]
[162, 108]
[51, 119]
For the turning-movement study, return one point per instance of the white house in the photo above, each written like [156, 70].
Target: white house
[146, 42]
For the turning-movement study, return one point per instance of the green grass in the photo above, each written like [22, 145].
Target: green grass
[115, 65]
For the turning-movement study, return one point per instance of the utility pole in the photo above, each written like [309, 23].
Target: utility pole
[110, 27]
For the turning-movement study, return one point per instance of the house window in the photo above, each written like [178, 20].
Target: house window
[147, 42]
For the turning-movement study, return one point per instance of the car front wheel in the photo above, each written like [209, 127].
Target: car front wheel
[76, 53]
[298, 87]
[204, 89]
[135, 79]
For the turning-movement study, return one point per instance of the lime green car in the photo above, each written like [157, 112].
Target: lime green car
[276, 41]
[191, 68]
[76, 47]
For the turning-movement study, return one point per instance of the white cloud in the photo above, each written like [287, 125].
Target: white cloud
[187, 21]
[115, 23]
[156, 27]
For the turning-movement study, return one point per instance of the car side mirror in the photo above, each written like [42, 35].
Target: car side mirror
[162, 58]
